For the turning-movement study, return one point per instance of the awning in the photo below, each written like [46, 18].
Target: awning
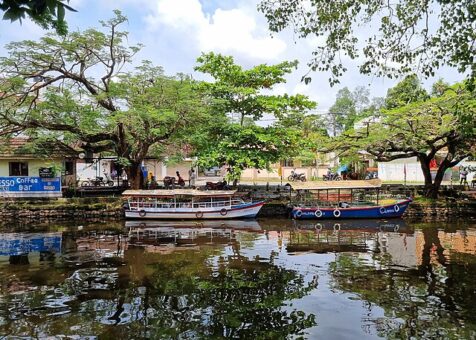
[330, 185]
[177, 192]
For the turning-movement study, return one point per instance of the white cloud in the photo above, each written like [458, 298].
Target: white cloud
[227, 31]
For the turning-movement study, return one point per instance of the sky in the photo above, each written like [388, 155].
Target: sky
[175, 32]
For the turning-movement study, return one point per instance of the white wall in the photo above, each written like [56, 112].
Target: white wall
[394, 170]
[91, 170]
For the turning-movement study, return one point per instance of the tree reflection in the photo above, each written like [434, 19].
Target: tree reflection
[185, 293]
[435, 300]
[236, 297]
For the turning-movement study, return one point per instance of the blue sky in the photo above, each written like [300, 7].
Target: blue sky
[175, 32]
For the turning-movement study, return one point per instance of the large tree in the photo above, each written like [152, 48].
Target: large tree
[75, 89]
[409, 90]
[46, 13]
[245, 92]
[442, 126]
[390, 37]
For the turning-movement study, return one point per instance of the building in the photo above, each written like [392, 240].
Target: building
[26, 172]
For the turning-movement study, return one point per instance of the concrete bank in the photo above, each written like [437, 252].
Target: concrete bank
[111, 208]
[33, 210]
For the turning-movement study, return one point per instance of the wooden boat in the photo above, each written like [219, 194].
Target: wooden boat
[338, 201]
[188, 204]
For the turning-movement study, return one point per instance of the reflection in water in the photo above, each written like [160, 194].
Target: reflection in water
[239, 279]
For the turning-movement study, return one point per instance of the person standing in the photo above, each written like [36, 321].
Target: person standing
[191, 177]
[463, 177]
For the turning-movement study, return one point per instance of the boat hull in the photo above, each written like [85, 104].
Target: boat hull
[385, 211]
[248, 210]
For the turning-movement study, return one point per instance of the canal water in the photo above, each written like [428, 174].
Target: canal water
[264, 279]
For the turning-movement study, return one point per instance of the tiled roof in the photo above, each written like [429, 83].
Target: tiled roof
[25, 148]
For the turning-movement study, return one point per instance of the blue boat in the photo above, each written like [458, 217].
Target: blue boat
[337, 200]
[348, 211]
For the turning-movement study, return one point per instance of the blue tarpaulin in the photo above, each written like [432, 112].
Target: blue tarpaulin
[343, 168]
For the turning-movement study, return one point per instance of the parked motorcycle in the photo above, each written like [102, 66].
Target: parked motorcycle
[217, 186]
[98, 182]
[332, 177]
[296, 176]
[171, 182]
[371, 175]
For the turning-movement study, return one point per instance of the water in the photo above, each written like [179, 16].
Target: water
[265, 279]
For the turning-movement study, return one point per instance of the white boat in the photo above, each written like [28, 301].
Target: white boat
[188, 204]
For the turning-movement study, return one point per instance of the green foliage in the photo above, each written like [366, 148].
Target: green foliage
[240, 91]
[409, 90]
[402, 42]
[46, 13]
[248, 147]
[349, 107]
[444, 124]
[73, 89]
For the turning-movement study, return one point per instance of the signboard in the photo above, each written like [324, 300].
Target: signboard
[30, 187]
[46, 173]
[18, 244]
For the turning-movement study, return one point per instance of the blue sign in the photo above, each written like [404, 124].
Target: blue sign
[18, 244]
[30, 184]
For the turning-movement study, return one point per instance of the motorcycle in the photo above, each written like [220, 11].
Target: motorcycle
[217, 186]
[98, 182]
[371, 175]
[296, 176]
[332, 177]
[170, 182]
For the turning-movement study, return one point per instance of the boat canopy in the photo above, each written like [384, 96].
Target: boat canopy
[331, 185]
[178, 192]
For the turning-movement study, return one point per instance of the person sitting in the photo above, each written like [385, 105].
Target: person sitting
[180, 180]
[344, 205]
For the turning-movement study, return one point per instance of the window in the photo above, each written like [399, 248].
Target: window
[309, 162]
[18, 168]
[69, 168]
[287, 162]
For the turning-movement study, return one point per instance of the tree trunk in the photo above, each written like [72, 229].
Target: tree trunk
[432, 186]
[425, 168]
[134, 175]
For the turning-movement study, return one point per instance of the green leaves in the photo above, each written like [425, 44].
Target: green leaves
[413, 36]
[242, 91]
[249, 147]
[46, 13]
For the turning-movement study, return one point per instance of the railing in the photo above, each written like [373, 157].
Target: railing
[135, 205]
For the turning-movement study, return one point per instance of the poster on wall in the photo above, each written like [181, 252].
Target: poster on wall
[30, 187]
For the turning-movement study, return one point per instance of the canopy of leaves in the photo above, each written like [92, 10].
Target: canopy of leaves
[443, 124]
[46, 13]
[240, 91]
[73, 89]
[409, 90]
[240, 147]
[408, 36]
[243, 92]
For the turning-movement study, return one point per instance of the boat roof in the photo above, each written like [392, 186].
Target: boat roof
[331, 185]
[178, 192]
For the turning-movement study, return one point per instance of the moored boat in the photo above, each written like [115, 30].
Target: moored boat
[347, 200]
[393, 210]
[187, 204]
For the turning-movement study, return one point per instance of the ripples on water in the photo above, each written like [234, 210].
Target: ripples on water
[239, 279]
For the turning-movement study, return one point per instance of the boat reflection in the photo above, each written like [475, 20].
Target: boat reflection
[353, 236]
[249, 225]
[164, 237]
[357, 225]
